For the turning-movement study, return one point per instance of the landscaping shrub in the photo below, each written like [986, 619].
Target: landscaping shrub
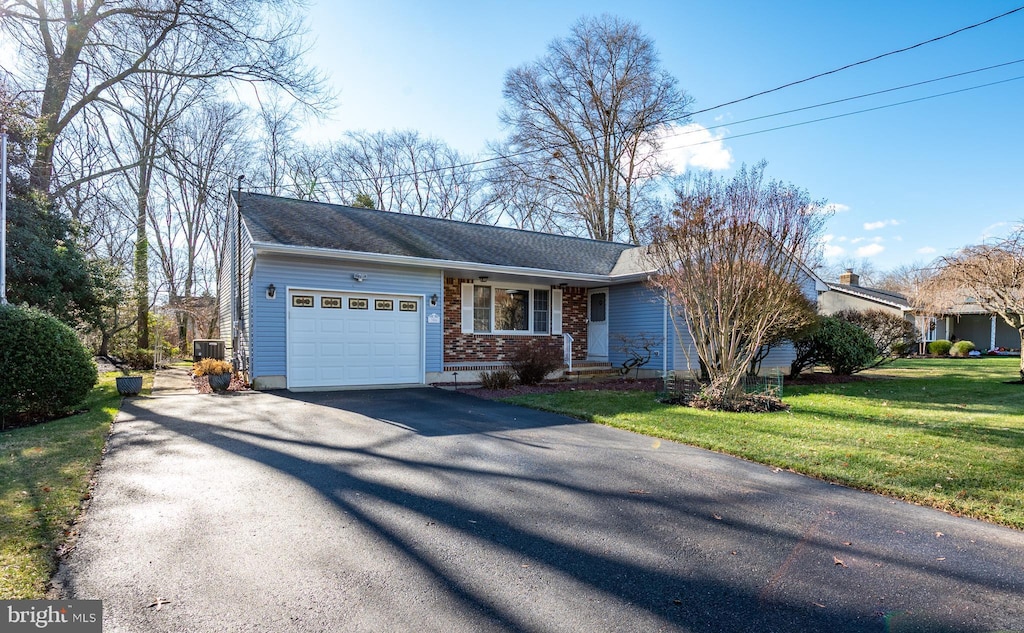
[893, 335]
[532, 362]
[940, 347]
[842, 346]
[45, 369]
[961, 349]
[138, 358]
[211, 367]
[497, 379]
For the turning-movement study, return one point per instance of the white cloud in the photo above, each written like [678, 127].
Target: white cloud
[693, 145]
[881, 224]
[870, 250]
[925, 250]
[831, 250]
[857, 240]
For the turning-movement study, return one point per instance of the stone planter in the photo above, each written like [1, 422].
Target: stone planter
[219, 382]
[129, 385]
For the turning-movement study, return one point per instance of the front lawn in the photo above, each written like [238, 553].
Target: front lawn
[44, 475]
[942, 432]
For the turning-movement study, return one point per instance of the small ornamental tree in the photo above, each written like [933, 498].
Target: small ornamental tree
[45, 368]
[729, 258]
[989, 275]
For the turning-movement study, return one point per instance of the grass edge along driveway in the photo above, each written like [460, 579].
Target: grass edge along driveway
[947, 433]
[45, 473]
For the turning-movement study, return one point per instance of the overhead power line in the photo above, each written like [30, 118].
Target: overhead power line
[486, 161]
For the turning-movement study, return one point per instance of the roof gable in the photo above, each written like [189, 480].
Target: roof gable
[277, 221]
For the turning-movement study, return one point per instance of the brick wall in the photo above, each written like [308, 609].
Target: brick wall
[494, 348]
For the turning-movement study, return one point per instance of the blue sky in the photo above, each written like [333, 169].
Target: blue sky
[909, 182]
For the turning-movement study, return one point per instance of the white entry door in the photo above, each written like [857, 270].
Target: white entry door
[352, 339]
[597, 324]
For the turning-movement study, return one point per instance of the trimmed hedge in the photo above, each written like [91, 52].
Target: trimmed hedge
[842, 346]
[940, 347]
[46, 370]
[961, 349]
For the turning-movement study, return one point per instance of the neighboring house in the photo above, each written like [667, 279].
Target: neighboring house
[330, 296]
[965, 322]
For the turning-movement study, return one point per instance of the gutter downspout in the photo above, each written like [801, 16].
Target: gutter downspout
[238, 269]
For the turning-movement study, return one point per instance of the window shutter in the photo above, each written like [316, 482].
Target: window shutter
[556, 311]
[467, 308]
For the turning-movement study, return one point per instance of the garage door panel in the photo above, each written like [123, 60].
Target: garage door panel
[330, 347]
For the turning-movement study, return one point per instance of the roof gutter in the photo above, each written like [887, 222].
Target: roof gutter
[420, 262]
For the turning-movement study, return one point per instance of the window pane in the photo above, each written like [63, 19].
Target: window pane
[510, 309]
[481, 309]
[597, 307]
[540, 310]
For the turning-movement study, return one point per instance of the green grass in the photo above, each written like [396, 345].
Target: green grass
[44, 475]
[944, 433]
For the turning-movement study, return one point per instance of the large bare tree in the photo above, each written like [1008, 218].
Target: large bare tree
[87, 47]
[990, 275]
[729, 258]
[585, 119]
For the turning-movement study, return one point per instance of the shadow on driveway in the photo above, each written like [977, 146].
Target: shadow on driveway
[423, 510]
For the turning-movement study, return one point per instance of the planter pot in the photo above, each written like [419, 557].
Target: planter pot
[129, 385]
[219, 382]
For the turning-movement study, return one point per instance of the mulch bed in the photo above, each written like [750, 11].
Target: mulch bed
[612, 384]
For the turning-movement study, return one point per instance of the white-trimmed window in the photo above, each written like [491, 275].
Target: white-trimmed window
[501, 308]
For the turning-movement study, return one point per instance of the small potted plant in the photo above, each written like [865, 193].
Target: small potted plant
[127, 384]
[217, 372]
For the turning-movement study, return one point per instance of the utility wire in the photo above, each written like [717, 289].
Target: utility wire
[686, 116]
[478, 166]
[846, 114]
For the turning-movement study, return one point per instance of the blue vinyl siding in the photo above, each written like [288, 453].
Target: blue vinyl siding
[635, 309]
[269, 316]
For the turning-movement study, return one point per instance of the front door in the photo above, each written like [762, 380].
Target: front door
[597, 324]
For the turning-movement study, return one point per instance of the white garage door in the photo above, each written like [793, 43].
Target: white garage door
[347, 339]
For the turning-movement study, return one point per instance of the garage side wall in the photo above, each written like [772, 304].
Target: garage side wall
[270, 315]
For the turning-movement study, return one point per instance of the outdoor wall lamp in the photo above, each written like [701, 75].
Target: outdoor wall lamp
[433, 299]
[271, 291]
[359, 277]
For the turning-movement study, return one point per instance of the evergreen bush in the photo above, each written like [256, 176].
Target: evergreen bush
[45, 369]
[940, 347]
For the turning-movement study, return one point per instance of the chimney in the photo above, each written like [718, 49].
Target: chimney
[849, 278]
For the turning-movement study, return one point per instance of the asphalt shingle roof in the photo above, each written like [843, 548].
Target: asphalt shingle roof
[883, 296]
[289, 222]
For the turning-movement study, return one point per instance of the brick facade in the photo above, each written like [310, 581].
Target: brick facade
[462, 348]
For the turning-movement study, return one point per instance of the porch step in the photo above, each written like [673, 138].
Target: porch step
[590, 369]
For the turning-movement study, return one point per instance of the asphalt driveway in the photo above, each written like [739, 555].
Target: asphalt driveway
[425, 510]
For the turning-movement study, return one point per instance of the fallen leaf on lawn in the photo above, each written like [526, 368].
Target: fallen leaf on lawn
[818, 604]
[839, 561]
[159, 602]
[847, 543]
[638, 491]
[939, 535]
[718, 517]
[941, 558]
[677, 601]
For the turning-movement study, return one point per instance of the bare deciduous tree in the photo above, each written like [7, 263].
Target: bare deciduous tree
[404, 172]
[990, 275]
[86, 48]
[729, 258]
[585, 120]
